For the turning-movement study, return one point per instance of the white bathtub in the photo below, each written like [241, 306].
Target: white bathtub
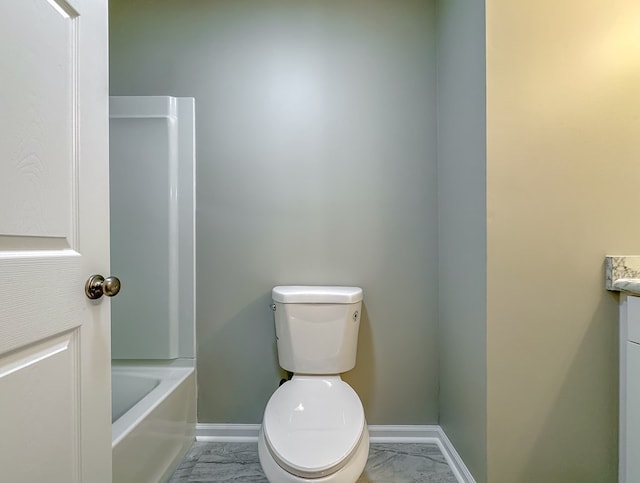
[153, 419]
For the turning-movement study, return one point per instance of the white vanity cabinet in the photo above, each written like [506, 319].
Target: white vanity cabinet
[633, 412]
[622, 274]
[629, 470]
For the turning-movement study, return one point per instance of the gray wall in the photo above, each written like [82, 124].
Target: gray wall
[462, 333]
[316, 165]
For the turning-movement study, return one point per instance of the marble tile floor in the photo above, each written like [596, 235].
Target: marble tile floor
[388, 463]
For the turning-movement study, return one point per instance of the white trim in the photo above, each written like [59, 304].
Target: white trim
[431, 434]
[404, 434]
[454, 459]
[227, 433]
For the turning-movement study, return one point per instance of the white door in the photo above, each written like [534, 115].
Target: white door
[55, 423]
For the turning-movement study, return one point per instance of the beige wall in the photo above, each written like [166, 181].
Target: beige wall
[563, 168]
[316, 164]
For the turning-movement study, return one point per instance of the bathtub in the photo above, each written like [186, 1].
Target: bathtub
[153, 419]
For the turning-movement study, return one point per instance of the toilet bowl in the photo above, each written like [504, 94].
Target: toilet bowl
[314, 428]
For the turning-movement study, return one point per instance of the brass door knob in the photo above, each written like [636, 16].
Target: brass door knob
[97, 286]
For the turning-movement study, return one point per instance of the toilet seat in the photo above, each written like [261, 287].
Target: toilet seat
[313, 425]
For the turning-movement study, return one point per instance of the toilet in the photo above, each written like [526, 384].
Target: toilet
[314, 429]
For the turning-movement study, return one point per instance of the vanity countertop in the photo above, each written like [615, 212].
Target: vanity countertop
[630, 285]
[622, 274]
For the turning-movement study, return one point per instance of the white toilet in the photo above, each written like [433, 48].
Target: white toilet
[314, 428]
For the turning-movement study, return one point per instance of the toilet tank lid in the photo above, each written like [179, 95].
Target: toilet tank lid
[315, 294]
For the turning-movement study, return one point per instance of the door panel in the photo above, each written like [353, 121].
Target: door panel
[37, 397]
[54, 342]
[39, 135]
[34, 304]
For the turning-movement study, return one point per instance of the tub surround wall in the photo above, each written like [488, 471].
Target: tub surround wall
[152, 167]
[152, 171]
[316, 165]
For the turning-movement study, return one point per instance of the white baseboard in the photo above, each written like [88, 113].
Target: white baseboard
[454, 459]
[432, 434]
[227, 433]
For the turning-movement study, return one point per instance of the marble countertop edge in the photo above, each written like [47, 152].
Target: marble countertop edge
[629, 285]
[622, 273]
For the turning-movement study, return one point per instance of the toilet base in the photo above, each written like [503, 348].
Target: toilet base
[349, 473]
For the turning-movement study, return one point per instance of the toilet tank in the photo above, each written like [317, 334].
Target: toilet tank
[317, 327]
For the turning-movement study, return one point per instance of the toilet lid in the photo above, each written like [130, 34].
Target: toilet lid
[313, 424]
